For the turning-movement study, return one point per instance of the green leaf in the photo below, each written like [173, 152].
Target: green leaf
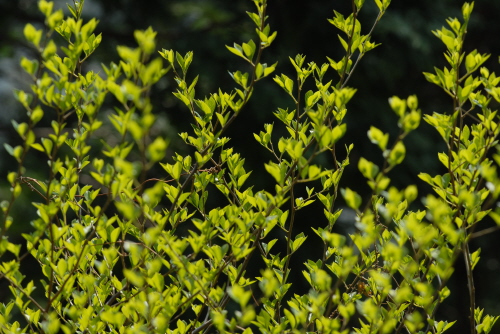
[237, 50]
[240, 295]
[36, 115]
[243, 178]
[51, 324]
[411, 121]
[135, 278]
[378, 138]
[152, 72]
[146, 40]
[299, 240]
[397, 154]
[474, 257]
[157, 149]
[14, 249]
[467, 10]
[276, 171]
[294, 149]
[398, 106]
[255, 18]
[72, 11]
[291, 319]
[432, 78]
[16, 152]
[313, 172]
[46, 7]
[129, 55]
[10, 149]
[249, 49]
[168, 55]
[352, 199]
[338, 132]
[367, 168]
[285, 82]
[32, 35]
[30, 66]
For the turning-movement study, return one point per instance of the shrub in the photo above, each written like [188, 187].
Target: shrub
[122, 251]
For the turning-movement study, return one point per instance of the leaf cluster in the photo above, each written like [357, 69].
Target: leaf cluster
[122, 251]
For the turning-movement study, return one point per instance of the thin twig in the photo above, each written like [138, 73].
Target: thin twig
[470, 285]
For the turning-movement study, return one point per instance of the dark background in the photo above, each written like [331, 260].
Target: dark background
[205, 26]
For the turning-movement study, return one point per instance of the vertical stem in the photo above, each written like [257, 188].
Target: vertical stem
[470, 285]
[349, 51]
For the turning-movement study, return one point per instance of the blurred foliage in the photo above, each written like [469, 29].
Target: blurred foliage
[408, 49]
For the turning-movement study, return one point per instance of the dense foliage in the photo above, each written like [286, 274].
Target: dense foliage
[127, 247]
